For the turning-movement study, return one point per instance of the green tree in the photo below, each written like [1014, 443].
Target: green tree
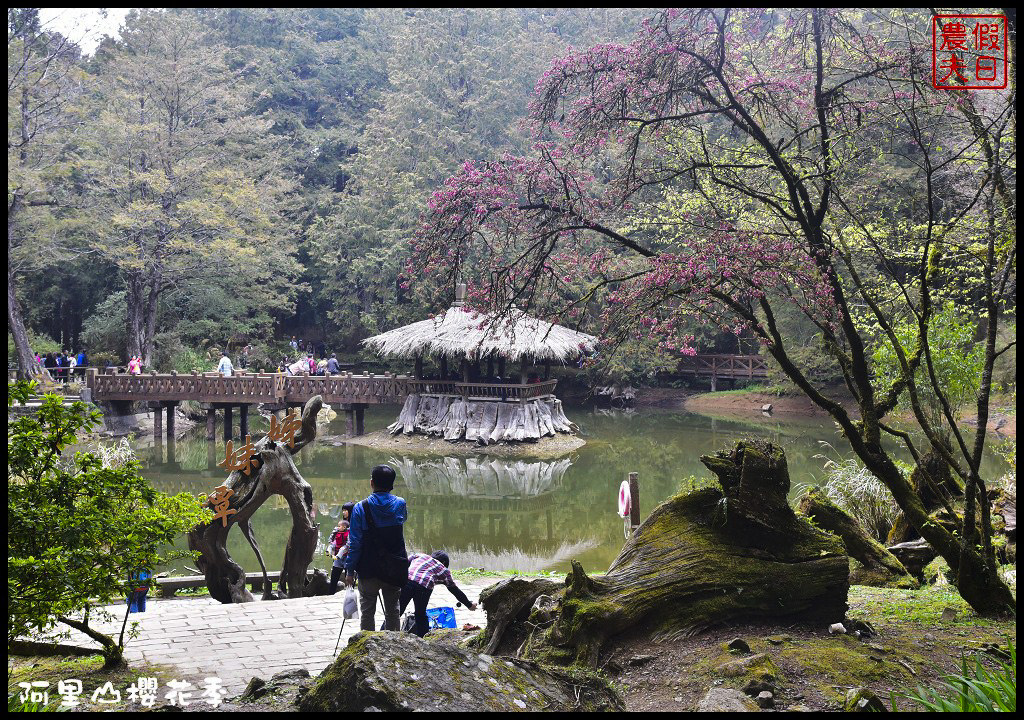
[77, 528]
[182, 185]
[42, 79]
[742, 148]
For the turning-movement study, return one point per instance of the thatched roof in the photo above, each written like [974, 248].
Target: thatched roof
[459, 331]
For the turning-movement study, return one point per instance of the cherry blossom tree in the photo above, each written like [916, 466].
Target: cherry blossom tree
[726, 166]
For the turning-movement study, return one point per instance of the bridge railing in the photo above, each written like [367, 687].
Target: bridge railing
[501, 391]
[276, 388]
[726, 366]
[208, 387]
[346, 388]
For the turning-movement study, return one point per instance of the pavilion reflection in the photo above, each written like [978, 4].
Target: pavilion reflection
[481, 477]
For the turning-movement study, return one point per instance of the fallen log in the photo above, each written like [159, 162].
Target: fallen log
[878, 566]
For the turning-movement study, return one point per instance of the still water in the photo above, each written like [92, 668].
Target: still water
[501, 514]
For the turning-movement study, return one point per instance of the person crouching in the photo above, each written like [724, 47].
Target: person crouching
[425, 571]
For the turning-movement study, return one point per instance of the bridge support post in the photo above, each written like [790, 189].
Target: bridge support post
[360, 408]
[211, 423]
[349, 419]
[714, 382]
[243, 421]
[170, 432]
[158, 422]
[170, 422]
[227, 423]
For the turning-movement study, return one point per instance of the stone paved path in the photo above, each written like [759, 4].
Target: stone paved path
[200, 636]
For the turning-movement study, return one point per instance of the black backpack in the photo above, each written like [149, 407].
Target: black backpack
[391, 567]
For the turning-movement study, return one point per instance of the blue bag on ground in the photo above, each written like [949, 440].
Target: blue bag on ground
[442, 617]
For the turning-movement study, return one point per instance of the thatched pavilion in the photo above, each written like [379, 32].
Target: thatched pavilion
[470, 396]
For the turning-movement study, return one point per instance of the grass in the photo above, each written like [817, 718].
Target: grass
[89, 670]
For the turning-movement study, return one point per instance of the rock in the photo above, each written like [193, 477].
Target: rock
[948, 614]
[256, 688]
[287, 682]
[765, 699]
[394, 672]
[914, 555]
[726, 700]
[760, 662]
[861, 628]
[739, 645]
[766, 408]
[799, 708]
[862, 700]
[755, 687]
[638, 660]
[836, 629]
[778, 639]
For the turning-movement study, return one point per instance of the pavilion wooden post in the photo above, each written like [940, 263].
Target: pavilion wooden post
[444, 367]
[418, 371]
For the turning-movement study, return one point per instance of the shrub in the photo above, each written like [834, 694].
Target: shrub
[79, 525]
[857, 492]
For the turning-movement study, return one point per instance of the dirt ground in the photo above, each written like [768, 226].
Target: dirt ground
[1002, 416]
[807, 668]
[919, 636]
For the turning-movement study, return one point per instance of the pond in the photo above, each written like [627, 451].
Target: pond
[501, 514]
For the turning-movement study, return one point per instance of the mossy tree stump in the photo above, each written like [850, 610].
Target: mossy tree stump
[699, 560]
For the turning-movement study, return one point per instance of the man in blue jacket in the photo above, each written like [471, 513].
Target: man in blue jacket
[388, 516]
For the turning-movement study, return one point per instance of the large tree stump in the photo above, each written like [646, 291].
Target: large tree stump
[699, 560]
[879, 567]
[276, 475]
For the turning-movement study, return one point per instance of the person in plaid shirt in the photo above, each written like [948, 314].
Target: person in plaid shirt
[425, 571]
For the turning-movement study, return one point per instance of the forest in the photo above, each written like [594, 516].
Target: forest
[220, 177]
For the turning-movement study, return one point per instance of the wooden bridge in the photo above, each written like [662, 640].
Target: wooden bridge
[278, 392]
[733, 367]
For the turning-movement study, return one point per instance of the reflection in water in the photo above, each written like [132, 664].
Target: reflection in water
[508, 514]
[509, 560]
[481, 476]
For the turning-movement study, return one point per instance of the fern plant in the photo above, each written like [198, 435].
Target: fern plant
[976, 688]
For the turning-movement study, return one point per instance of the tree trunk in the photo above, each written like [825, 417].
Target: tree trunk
[699, 560]
[27, 367]
[880, 568]
[978, 583]
[276, 475]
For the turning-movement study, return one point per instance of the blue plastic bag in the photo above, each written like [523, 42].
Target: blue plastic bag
[442, 617]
